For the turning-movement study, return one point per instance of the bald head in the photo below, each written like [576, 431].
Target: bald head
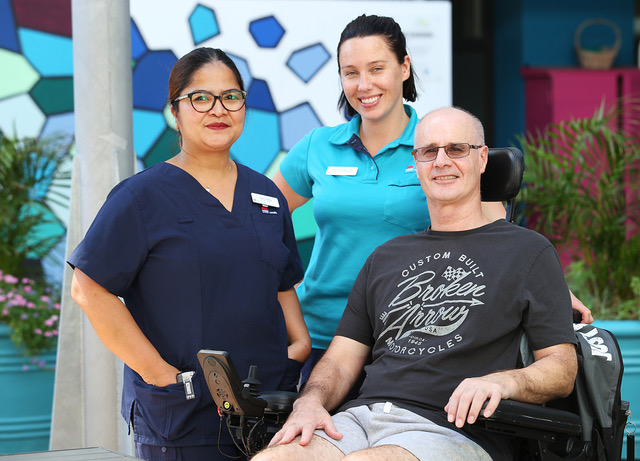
[454, 118]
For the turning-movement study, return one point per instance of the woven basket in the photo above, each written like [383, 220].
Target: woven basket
[603, 58]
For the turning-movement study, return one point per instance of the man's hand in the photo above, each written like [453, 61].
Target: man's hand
[307, 416]
[466, 401]
[550, 376]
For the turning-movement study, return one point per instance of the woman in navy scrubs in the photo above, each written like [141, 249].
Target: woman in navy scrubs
[202, 252]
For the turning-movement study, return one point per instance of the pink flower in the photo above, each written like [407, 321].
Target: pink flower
[27, 288]
[19, 300]
[10, 279]
[37, 331]
[49, 322]
[44, 298]
[48, 334]
[5, 312]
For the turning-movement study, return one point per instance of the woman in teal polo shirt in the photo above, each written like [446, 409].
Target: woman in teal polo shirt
[361, 174]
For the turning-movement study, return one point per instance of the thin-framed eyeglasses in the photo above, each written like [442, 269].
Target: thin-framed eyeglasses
[203, 101]
[453, 151]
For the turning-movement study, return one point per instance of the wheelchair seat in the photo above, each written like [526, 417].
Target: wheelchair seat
[567, 429]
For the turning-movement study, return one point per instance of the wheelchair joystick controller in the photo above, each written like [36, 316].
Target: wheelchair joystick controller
[252, 415]
[251, 385]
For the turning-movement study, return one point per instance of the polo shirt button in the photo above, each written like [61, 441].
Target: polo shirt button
[164, 449]
[372, 168]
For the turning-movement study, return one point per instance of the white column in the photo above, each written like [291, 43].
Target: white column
[86, 407]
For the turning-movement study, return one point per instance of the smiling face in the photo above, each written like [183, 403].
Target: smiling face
[446, 181]
[372, 77]
[217, 129]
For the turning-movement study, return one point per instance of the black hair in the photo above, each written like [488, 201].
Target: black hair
[389, 30]
[183, 70]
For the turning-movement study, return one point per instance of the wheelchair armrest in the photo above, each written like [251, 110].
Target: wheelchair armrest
[279, 401]
[530, 420]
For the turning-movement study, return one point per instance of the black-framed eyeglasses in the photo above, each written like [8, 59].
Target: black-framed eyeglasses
[453, 151]
[203, 101]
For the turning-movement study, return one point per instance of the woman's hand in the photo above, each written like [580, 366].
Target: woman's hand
[582, 312]
[297, 334]
[161, 376]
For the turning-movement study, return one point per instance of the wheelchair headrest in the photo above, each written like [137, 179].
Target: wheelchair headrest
[503, 175]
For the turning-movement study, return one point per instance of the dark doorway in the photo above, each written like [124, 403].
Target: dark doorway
[472, 46]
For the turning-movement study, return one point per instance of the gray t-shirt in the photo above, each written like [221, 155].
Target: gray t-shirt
[438, 307]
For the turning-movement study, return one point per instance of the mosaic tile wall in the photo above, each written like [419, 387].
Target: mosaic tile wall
[270, 49]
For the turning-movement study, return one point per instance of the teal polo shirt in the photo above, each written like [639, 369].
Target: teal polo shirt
[359, 202]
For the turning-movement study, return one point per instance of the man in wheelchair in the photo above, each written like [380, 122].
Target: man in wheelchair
[437, 319]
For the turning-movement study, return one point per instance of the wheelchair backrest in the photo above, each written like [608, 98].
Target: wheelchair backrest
[502, 178]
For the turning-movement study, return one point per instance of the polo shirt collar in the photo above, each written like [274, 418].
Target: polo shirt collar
[348, 131]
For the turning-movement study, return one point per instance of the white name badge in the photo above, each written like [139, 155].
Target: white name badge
[265, 200]
[342, 170]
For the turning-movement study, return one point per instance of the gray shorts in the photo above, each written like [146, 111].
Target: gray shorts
[368, 426]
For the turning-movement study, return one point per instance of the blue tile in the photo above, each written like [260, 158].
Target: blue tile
[259, 143]
[51, 55]
[297, 122]
[305, 63]
[151, 80]
[138, 47]
[204, 24]
[59, 123]
[8, 37]
[148, 126]
[267, 32]
[259, 96]
[243, 68]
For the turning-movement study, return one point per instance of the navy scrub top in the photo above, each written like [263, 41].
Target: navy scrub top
[194, 275]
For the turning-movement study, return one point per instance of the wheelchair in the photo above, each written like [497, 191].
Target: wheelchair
[575, 428]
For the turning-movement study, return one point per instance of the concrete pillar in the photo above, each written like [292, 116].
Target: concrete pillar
[86, 407]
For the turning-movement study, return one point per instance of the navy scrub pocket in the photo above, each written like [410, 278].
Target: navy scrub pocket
[270, 231]
[164, 410]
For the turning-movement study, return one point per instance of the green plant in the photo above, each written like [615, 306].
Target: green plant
[582, 192]
[32, 312]
[29, 168]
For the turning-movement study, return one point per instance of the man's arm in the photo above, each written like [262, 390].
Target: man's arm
[552, 375]
[328, 385]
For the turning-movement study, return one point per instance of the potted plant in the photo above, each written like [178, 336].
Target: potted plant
[582, 191]
[29, 318]
[32, 180]
[31, 311]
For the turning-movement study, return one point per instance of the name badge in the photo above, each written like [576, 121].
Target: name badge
[265, 200]
[342, 170]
